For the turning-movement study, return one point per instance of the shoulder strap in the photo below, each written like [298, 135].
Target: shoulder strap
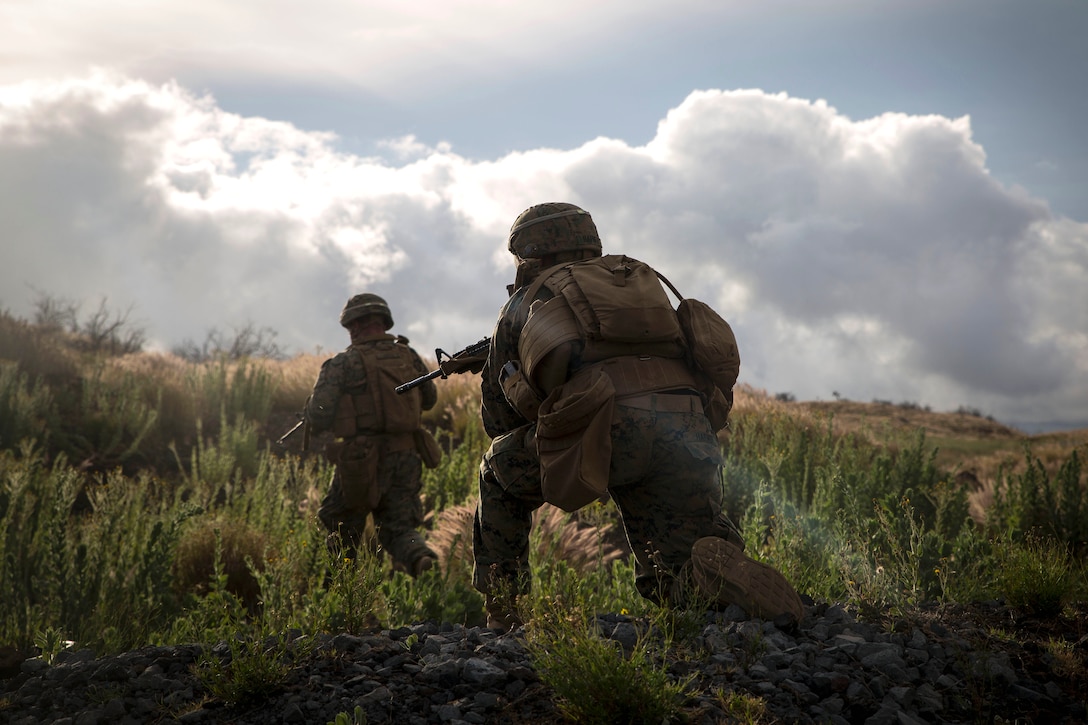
[669, 284]
[536, 284]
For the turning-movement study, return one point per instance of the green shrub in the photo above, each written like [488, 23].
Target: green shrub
[595, 679]
[25, 409]
[434, 595]
[241, 551]
[252, 671]
[103, 578]
[231, 390]
[455, 481]
[805, 548]
[1033, 501]
[350, 598]
[111, 422]
[1038, 574]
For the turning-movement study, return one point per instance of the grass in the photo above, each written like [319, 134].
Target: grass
[168, 515]
[249, 672]
[1038, 574]
[597, 680]
[744, 707]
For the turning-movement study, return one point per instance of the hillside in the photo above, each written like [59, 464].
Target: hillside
[966, 443]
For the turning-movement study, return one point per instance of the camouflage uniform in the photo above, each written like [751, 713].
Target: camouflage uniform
[395, 504]
[663, 477]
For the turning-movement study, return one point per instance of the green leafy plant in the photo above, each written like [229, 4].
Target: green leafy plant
[1038, 574]
[350, 598]
[596, 680]
[435, 595]
[1033, 500]
[252, 670]
[454, 481]
[25, 408]
[51, 642]
[357, 717]
[743, 707]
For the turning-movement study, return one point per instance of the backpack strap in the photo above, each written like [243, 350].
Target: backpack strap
[538, 282]
[669, 284]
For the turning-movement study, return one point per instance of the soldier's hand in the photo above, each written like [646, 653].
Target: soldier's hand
[466, 364]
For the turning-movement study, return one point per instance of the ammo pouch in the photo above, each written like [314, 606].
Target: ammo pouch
[574, 440]
[357, 465]
[519, 392]
[427, 448]
[512, 459]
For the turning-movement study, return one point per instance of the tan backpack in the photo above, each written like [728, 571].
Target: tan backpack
[713, 350]
[617, 303]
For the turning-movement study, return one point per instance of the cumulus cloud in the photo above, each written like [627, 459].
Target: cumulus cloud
[873, 258]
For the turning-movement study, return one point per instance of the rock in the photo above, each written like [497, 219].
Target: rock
[827, 668]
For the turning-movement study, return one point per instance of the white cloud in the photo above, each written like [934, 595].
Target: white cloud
[874, 258]
[389, 47]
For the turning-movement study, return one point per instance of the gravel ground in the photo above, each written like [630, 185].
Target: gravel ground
[982, 663]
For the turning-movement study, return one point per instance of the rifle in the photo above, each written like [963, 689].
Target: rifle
[471, 359]
[302, 423]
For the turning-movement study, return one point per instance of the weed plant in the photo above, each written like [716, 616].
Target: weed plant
[596, 679]
[26, 408]
[1034, 501]
[454, 482]
[434, 596]
[142, 502]
[356, 717]
[1038, 574]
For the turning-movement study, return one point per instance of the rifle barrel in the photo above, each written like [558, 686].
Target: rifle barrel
[418, 381]
[473, 349]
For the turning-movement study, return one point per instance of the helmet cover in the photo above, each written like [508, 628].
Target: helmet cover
[552, 227]
[366, 304]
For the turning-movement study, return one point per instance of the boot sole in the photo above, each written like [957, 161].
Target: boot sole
[725, 574]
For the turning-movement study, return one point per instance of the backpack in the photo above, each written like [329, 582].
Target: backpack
[619, 307]
[712, 347]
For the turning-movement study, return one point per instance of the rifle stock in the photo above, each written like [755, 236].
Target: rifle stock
[469, 359]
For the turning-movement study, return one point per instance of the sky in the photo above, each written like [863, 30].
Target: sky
[888, 200]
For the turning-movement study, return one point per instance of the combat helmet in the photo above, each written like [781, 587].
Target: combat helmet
[366, 304]
[553, 227]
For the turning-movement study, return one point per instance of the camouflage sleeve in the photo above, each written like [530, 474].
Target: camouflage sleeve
[429, 389]
[331, 382]
[498, 415]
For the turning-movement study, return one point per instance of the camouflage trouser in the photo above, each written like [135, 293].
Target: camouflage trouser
[398, 515]
[663, 477]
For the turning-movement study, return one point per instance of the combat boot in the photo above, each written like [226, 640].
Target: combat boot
[502, 613]
[422, 564]
[723, 573]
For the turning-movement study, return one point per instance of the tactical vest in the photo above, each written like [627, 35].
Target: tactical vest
[374, 407]
[617, 308]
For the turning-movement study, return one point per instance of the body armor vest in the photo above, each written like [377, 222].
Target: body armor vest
[374, 407]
